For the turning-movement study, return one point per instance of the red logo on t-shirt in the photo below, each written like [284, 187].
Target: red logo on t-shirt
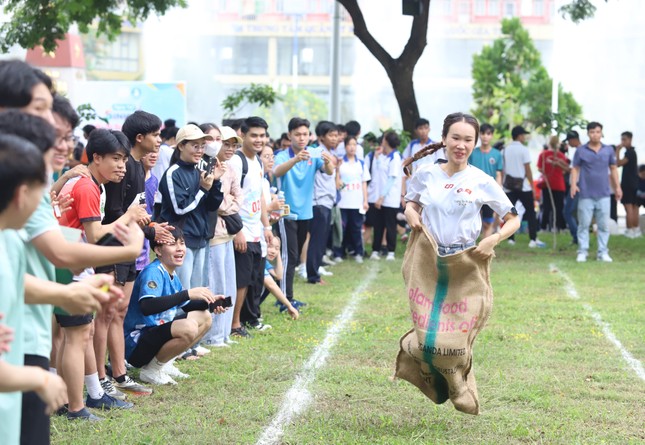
[449, 186]
[459, 190]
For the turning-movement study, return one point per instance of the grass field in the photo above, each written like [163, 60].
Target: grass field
[545, 370]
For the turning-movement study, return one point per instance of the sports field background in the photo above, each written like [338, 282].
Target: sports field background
[545, 369]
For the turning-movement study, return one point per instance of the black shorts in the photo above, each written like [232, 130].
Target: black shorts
[488, 215]
[123, 273]
[151, 340]
[248, 265]
[370, 215]
[629, 196]
[70, 321]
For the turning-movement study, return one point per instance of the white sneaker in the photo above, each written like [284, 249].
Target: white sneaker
[375, 256]
[581, 258]
[260, 327]
[511, 242]
[218, 345]
[324, 272]
[202, 350]
[327, 261]
[337, 260]
[171, 370]
[155, 376]
[390, 256]
[536, 243]
[359, 259]
[628, 233]
[604, 258]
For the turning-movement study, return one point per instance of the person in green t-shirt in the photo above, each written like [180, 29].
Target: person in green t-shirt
[22, 179]
[491, 162]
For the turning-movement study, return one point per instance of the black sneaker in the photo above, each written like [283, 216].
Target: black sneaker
[240, 332]
[107, 402]
[83, 414]
[62, 411]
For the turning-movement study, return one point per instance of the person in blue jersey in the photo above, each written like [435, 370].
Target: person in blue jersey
[155, 332]
[296, 169]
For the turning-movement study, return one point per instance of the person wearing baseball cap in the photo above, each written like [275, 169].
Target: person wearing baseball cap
[188, 194]
[518, 131]
[518, 180]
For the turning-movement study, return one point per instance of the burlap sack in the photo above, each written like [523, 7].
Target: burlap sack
[450, 301]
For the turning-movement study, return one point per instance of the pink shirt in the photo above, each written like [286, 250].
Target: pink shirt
[229, 206]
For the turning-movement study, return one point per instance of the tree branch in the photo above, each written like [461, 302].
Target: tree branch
[418, 38]
[363, 34]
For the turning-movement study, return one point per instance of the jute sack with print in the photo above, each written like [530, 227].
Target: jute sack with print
[450, 301]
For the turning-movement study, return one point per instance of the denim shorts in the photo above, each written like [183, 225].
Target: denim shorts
[451, 249]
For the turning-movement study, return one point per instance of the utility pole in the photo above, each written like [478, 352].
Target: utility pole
[334, 88]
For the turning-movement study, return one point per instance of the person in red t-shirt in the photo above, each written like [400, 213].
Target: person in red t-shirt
[107, 151]
[553, 165]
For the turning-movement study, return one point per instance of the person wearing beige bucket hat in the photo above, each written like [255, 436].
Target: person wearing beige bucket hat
[188, 195]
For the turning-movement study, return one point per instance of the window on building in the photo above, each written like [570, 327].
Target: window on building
[509, 9]
[464, 7]
[314, 56]
[480, 7]
[120, 55]
[493, 8]
[538, 8]
[241, 55]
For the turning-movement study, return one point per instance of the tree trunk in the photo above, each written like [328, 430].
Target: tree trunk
[401, 69]
[403, 87]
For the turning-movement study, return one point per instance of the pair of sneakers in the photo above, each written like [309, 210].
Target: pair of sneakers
[105, 402]
[155, 375]
[604, 257]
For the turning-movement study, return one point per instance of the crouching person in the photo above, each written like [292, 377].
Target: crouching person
[155, 329]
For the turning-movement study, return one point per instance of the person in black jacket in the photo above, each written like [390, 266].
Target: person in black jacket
[187, 196]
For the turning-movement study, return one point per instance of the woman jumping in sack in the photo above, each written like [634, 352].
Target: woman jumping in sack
[446, 274]
[447, 198]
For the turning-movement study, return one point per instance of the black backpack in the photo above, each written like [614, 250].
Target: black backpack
[245, 165]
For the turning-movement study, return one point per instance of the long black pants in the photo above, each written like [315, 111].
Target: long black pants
[319, 234]
[385, 220]
[547, 211]
[526, 198]
[293, 234]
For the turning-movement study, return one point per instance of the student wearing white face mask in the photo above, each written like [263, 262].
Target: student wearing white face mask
[188, 196]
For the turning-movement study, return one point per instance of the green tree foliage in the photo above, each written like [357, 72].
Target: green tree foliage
[263, 95]
[295, 102]
[511, 86]
[578, 10]
[42, 22]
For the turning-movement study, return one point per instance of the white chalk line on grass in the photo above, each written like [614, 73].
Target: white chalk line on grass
[298, 397]
[570, 288]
